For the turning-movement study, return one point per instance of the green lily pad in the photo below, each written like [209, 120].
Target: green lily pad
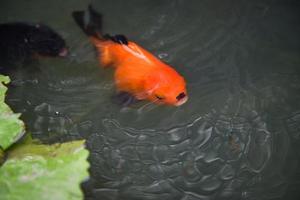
[11, 127]
[34, 171]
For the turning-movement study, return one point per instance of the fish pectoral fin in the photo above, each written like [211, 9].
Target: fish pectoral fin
[141, 95]
[124, 99]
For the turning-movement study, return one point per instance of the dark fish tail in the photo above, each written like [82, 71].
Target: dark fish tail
[89, 21]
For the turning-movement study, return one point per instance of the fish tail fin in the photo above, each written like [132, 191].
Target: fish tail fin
[89, 21]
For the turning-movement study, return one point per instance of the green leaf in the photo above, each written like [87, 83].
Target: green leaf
[34, 171]
[11, 127]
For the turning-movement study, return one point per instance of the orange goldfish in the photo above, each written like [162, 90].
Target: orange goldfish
[137, 71]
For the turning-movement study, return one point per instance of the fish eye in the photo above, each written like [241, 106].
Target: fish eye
[181, 96]
[159, 97]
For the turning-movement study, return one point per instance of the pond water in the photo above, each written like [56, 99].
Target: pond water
[238, 136]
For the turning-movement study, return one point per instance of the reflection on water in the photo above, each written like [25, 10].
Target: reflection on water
[237, 137]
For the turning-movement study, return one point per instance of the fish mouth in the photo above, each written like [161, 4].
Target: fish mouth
[182, 101]
[63, 52]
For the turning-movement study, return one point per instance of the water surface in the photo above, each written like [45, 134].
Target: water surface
[237, 137]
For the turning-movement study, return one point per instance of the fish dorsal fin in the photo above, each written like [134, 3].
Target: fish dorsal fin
[137, 51]
[120, 39]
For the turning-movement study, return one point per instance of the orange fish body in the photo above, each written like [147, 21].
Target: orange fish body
[138, 72]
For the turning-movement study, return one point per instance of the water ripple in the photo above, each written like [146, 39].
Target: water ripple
[201, 157]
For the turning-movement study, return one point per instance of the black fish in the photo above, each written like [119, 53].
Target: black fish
[19, 42]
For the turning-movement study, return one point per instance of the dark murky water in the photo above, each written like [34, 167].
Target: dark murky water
[237, 137]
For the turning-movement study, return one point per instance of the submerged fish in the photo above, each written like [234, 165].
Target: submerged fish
[137, 71]
[20, 42]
